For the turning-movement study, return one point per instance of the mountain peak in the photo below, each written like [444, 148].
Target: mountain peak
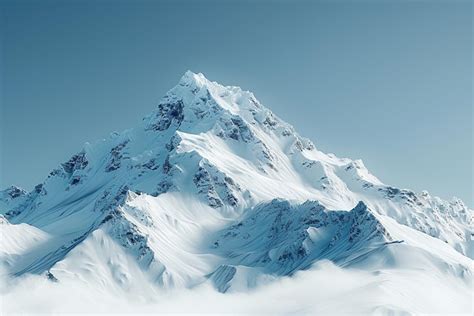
[193, 87]
[220, 147]
[191, 78]
[212, 186]
[198, 104]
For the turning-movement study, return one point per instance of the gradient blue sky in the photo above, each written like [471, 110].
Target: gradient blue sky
[389, 82]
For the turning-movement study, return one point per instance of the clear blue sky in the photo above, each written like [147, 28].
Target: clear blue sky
[389, 82]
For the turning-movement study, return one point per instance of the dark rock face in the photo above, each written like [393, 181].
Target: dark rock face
[216, 186]
[55, 172]
[173, 143]
[167, 165]
[390, 192]
[203, 182]
[116, 157]
[110, 200]
[163, 186]
[12, 213]
[167, 114]
[407, 195]
[129, 236]
[15, 192]
[77, 162]
[362, 218]
[75, 180]
[51, 277]
[303, 144]
[39, 189]
[266, 154]
[277, 235]
[270, 121]
[151, 164]
[235, 128]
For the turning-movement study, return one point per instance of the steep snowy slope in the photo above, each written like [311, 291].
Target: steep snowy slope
[213, 188]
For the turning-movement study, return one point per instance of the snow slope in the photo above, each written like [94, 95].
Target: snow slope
[212, 190]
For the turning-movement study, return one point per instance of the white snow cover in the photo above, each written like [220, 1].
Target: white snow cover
[214, 204]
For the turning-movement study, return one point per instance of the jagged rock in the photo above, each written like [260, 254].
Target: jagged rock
[116, 156]
[167, 114]
[77, 162]
[288, 242]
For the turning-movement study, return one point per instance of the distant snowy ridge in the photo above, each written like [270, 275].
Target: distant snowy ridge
[212, 187]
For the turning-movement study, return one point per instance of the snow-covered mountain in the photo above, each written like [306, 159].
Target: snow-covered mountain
[213, 189]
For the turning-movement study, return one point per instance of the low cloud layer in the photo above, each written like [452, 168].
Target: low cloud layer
[324, 288]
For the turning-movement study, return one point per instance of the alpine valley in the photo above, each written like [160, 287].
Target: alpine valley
[214, 204]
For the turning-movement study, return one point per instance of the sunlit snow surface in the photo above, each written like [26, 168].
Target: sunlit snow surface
[214, 204]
